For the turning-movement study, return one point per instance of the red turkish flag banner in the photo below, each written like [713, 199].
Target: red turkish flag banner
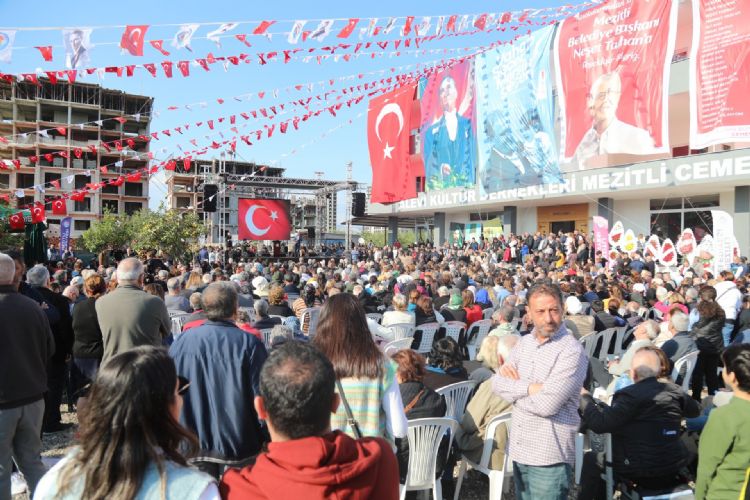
[388, 132]
[59, 208]
[262, 27]
[347, 30]
[46, 52]
[159, 45]
[264, 219]
[133, 38]
[16, 221]
[37, 214]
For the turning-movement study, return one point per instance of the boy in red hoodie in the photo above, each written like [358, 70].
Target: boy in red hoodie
[305, 460]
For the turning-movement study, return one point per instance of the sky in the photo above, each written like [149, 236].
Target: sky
[323, 144]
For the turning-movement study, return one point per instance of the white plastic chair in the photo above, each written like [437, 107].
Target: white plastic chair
[454, 329]
[589, 343]
[401, 330]
[428, 334]
[394, 346]
[606, 336]
[688, 361]
[266, 334]
[425, 435]
[178, 321]
[377, 317]
[487, 313]
[497, 477]
[477, 332]
[456, 396]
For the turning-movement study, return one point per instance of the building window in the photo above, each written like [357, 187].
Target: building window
[4, 181]
[49, 177]
[24, 181]
[83, 206]
[111, 206]
[182, 202]
[671, 215]
[132, 207]
[134, 189]
[110, 189]
[82, 180]
[81, 225]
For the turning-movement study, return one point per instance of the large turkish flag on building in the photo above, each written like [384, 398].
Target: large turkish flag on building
[263, 220]
[388, 130]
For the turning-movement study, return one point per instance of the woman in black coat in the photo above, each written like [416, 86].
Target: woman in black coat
[88, 345]
[707, 335]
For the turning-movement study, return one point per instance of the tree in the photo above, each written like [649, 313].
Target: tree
[111, 232]
[170, 231]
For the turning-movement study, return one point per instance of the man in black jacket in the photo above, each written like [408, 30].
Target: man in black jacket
[644, 421]
[27, 345]
[57, 367]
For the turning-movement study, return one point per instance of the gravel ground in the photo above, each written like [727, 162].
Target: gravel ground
[475, 486]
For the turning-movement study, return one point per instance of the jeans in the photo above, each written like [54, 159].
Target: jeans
[549, 482]
[726, 333]
[20, 429]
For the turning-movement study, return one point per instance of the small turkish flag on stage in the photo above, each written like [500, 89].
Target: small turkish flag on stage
[37, 214]
[133, 38]
[16, 221]
[388, 128]
[264, 219]
[59, 208]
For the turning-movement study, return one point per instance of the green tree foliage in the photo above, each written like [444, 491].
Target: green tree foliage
[113, 231]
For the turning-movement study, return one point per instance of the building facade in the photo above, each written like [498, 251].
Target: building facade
[655, 194]
[29, 118]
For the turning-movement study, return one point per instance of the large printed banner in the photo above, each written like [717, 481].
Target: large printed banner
[723, 240]
[601, 235]
[263, 219]
[613, 66]
[448, 128]
[516, 139]
[720, 73]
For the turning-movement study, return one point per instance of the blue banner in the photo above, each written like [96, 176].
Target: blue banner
[515, 115]
[65, 234]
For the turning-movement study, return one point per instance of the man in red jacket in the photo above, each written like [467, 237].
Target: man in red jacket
[305, 459]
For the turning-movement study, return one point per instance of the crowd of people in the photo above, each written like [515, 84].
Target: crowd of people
[254, 397]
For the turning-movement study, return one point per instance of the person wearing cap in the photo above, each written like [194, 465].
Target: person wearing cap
[27, 346]
[578, 323]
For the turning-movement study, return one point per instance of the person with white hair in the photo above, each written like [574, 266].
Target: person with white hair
[399, 315]
[128, 317]
[175, 300]
[482, 408]
[576, 321]
[62, 331]
[27, 346]
[680, 343]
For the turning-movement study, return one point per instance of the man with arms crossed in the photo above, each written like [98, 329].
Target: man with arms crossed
[543, 378]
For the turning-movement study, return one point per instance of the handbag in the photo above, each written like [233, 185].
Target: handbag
[350, 420]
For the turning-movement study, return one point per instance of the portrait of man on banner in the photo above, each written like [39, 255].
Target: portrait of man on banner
[77, 44]
[516, 139]
[613, 64]
[449, 128]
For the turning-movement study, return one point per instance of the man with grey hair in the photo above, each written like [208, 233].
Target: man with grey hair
[128, 316]
[262, 320]
[174, 300]
[57, 366]
[27, 345]
[223, 365]
[482, 408]
[503, 317]
[680, 343]
[646, 445]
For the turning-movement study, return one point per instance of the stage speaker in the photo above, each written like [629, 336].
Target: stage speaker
[210, 197]
[358, 204]
[311, 233]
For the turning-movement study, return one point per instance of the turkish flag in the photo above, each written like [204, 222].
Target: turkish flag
[16, 221]
[264, 219]
[388, 130]
[347, 30]
[133, 38]
[37, 214]
[59, 208]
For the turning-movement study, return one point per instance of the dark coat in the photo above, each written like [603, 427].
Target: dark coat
[62, 330]
[223, 366]
[88, 337]
[707, 334]
[644, 421]
[429, 405]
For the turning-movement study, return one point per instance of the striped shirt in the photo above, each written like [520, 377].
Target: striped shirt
[544, 425]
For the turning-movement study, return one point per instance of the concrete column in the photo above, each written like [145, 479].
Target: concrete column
[392, 230]
[439, 233]
[742, 218]
[510, 215]
[605, 208]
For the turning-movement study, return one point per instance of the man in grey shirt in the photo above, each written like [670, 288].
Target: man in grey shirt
[174, 300]
[128, 316]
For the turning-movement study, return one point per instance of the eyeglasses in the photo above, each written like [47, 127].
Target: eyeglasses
[182, 385]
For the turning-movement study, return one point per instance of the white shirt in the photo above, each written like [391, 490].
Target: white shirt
[729, 298]
[618, 138]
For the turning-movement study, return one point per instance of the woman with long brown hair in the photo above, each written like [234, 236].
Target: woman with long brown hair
[367, 377]
[708, 338]
[129, 437]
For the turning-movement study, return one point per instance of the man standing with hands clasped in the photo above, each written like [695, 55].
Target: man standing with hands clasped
[543, 377]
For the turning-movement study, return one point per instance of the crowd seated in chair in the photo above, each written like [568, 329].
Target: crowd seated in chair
[503, 318]
[644, 420]
[445, 364]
